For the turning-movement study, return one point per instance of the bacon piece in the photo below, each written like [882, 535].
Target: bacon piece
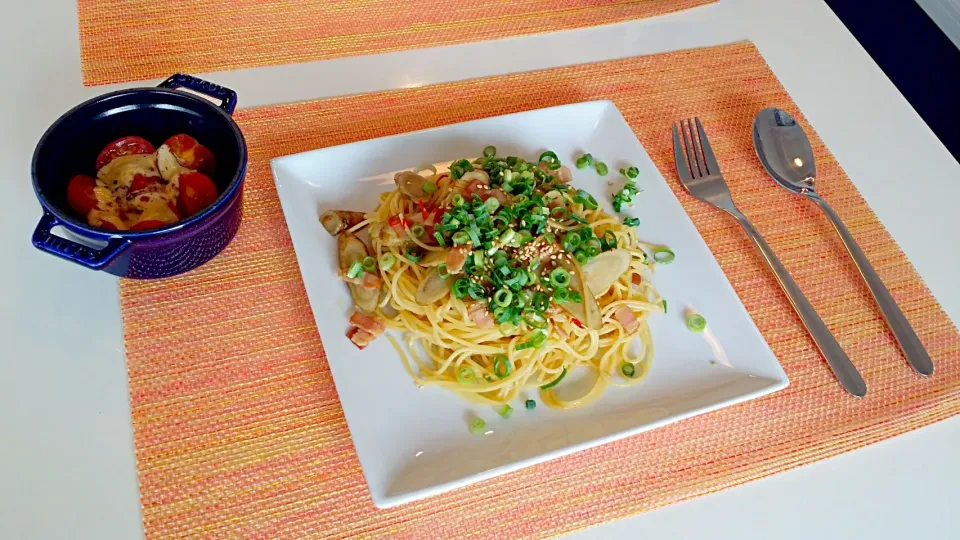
[372, 325]
[480, 315]
[627, 319]
[456, 258]
[360, 337]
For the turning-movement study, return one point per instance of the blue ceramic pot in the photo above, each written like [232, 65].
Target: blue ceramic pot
[72, 143]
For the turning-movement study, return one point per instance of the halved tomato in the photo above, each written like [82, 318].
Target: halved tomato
[192, 154]
[142, 182]
[80, 194]
[197, 191]
[124, 146]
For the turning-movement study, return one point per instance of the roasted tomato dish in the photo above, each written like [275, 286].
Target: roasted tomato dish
[139, 187]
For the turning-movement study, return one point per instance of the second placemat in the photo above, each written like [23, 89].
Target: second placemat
[131, 40]
[237, 426]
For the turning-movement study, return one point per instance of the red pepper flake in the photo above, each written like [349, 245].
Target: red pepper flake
[576, 322]
[395, 220]
[423, 208]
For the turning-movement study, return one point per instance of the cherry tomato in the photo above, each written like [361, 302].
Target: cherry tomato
[142, 182]
[80, 194]
[192, 154]
[197, 191]
[147, 224]
[124, 146]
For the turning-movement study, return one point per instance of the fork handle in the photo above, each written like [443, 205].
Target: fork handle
[841, 365]
[912, 348]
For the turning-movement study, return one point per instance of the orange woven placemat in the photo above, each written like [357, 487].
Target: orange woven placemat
[129, 40]
[237, 425]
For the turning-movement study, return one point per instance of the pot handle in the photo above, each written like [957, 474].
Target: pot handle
[227, 97]
[92, 258]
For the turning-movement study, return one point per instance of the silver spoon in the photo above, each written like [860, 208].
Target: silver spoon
[786, 154]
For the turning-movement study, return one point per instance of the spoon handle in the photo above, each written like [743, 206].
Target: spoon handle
[916, 355]
[841, 365]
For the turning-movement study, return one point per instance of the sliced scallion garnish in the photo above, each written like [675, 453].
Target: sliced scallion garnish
[501, 366]
[663, 255]
[387, 260]
[696, 323]
[355, 270]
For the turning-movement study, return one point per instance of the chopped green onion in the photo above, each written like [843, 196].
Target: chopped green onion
[492, 204]
[584, 161]
[417, 230]
[460, 238]
[609, 240]
[429, 187]
[413, 253]
[507, 236]
[520, 199]
[458, 200]
[561, 294]
[478, 426]
[530, 404]
[502, 297]
[664, 306]
[559, 213]
[369, 264]
[442, 270]
[696, 322]
[632, 172]
[549, 157]
[585, 199]
[355, 270]
[554, 382]
[476, 291]
[474, 233]
[559, 277]
[627, 369]
[601, 168]
[571, 241]
[505, 411]
[631, 222]
[592, 248]
[466, 375]
[501, 366]
[549, 238]
[577, 218]
[460, 287]
[387, 261]
[581, 256]
[576, 297]
[535, 320]
[540, 302]
[663, 256]
[490, 151]
[439, 237]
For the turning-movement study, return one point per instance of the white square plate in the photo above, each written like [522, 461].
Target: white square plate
[413, 442]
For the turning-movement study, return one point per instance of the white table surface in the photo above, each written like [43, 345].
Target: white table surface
[66, 455]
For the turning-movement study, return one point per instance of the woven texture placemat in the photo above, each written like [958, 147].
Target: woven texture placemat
[130, 40]
[237, 426]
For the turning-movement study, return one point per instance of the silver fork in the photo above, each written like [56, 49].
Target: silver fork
[700, 175]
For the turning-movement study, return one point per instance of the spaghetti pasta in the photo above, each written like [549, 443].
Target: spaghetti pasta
[522, 280]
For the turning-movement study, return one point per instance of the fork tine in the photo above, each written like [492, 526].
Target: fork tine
[695, 147]
[683, 168]
[708, 157]
[686, 145]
